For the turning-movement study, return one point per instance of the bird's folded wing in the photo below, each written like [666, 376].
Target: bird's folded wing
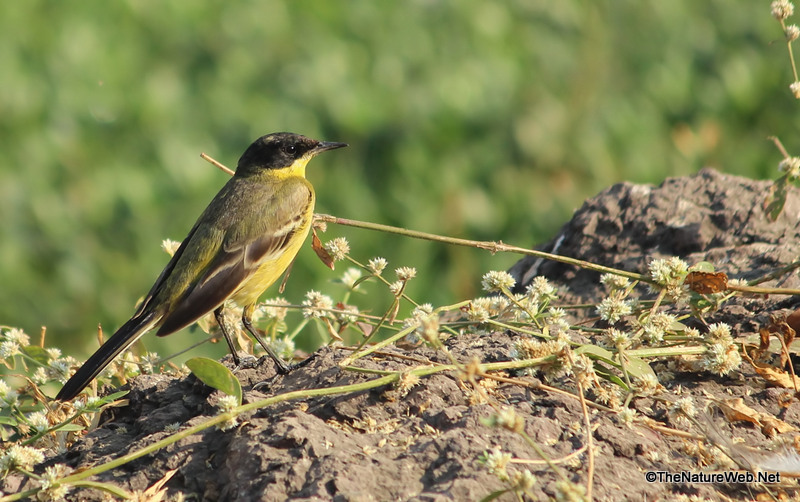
[246, 246]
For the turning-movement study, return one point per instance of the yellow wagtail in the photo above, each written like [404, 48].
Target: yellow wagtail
[240, 245]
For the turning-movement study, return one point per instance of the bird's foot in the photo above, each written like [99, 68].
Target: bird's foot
[302, 363]
[248, 362]
[282, 371]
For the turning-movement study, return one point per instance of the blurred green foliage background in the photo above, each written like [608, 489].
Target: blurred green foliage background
[485, 120]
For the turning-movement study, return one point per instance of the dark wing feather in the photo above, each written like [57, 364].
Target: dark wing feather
[244, 249]
[144, 306]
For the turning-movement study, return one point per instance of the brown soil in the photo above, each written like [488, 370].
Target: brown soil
[381, 445]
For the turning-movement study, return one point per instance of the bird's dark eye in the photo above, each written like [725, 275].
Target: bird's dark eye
[289, 149]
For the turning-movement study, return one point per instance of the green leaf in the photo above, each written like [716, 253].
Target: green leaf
[99, 403]
[703, 266]
[494, 495]
[216, 375]
[117, 491]
[636, 367]
[776, 198]
[639, 368]
[607, 374]
[114, 396]
[363, 278]
[596, 352]
[5, 420]
[677, 327]
[71, 428]
[37, 353]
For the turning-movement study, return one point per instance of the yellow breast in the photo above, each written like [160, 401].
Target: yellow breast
[272, 269]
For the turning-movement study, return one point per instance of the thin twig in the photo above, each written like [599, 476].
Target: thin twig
[499, 246]
[779, 145]
[566, 458]
[589, 442]
[219, 165]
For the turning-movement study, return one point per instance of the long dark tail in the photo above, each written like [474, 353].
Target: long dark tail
[119, 341]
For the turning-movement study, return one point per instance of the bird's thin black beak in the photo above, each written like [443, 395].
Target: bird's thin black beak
[328, 145]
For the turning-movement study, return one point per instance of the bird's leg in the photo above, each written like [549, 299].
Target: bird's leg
[247, 313]
[222, 326]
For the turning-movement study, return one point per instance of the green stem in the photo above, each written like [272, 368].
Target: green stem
[493, 247]
[497, 247]
[80, 477]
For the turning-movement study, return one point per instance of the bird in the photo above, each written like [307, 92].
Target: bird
[240, 245]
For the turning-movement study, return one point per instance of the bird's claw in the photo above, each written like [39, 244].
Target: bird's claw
[248, 362]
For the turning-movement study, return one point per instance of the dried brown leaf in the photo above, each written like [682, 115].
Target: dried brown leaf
[773, 376]
[156, 492]
[735, 410]
[322, 253]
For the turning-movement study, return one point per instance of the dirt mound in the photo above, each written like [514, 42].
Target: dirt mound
[425, 444]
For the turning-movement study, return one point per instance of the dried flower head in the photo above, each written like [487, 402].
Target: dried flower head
[496, 462]
[722, 358]
[795, 88]
[790, 165]
[317, 305]
[781, 9]
[351, 276]
[613, 308]
[339, 248]
[406, 382]
[656, 326]
[377, 265]
[227, 404]
[9, 349]
[719, 332]
[618, 338]
[583, 368]
[405, 273]
[274, 308]
[567, 491]
[792, 32]
[615, 282]
[610, 395]
[418, 315]
[476, 311]
[23, 457]
[493, 305]
[527, 348]
[523, 481]
[396, 288]
[38, 421]
[669, 275]
[496, 281]
[508, 418]
[626, 416]
[50, 487]
[681, 409]
[429, 330]
[541, 289]
[17, 336]
[170, 246]
[692, 333]
[347, 314]
[647, 385]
